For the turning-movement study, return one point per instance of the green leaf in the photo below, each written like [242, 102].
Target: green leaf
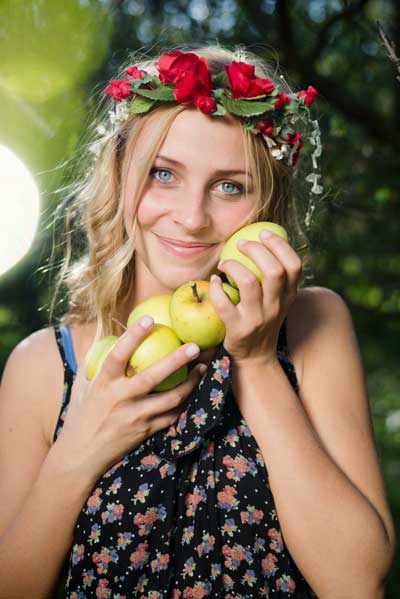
[245, 108]
[141, 105]
[219, 111]
[162, 93]
[136, 83]
[221, 79]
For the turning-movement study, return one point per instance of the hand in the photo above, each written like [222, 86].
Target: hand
[112, 414]
[252, 326]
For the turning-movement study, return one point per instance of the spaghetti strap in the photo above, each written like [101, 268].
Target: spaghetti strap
[68, 347]
[65, 347]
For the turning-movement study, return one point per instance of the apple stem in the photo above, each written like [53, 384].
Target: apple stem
[195, 292]
[120, 323]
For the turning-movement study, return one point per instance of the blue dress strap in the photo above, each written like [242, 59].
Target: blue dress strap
[69, 353]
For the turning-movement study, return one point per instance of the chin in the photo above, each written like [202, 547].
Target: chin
[173, 280]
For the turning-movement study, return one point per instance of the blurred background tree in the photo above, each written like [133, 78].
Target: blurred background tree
[57, 56]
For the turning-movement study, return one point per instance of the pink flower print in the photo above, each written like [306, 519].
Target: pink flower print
[233, 556]
[207, 544]
[226, 498]
[231, 438]
[189, 567]
[228, 582]
[210, 480]
[124, 539]
[94, 502]
[193, 472]
[207, 450]
[78, 552]
[187, 535]
[259, 458]
[103, 558]
[94, 534]
[182, 421]
[276, 540]
[88, 577]
[145, 521]
[268, 565]
[152, 595]
[237, 467]
[199, 418]
[252, 515]
[163, 470]
[149, 462]
[175, 594]
[141, 494]
[160, 563]
[192, 500]
[216, 398]
[259, 543]
[139, 557]
[200, 590]
[116, 485]
[215, 571]
[140, 585]
[229, 527]
[285, 584]
[115, 467]
[102, 592]
[243, 429]
[176, 444]
[113, 513]
[249, 578]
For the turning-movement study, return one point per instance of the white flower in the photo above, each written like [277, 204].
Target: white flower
[313, 178]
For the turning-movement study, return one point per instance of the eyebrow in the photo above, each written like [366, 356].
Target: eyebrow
[216, 172]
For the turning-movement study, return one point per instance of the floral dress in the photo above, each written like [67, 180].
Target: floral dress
[189, 513]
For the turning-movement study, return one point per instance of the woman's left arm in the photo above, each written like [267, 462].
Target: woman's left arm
[320, 457]
[318, 447]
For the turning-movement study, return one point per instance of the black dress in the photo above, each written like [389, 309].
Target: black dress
[189, 513]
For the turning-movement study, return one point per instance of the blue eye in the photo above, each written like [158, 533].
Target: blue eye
[161, 174]
[231, 188]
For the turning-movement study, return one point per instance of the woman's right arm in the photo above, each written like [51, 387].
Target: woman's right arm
[43, 488]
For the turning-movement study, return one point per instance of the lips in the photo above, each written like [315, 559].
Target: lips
[185, 244]
[183, 249]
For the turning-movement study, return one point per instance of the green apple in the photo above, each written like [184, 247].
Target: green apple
[193, 316]
[97, 354]
[156, 306]
[159, 342]
[251, 232]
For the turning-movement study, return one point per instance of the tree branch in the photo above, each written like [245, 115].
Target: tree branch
[390, 48]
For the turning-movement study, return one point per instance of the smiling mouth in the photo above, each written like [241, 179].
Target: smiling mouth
[176, 249]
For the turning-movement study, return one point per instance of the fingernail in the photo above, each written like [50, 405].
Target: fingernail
[220, 263]
[202, 368]
[146, 321]
[265, 234]
[192, 350]
[214, 278]
[241, 243]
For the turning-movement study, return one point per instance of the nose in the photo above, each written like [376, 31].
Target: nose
[192, 210]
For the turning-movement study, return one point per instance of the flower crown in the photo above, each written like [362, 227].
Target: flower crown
[184, 78]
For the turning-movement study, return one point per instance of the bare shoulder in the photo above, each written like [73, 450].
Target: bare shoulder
[312, 311]
[41, 385]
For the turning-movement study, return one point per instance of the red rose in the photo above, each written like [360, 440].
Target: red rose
[205, 103]
[243, 82]
[119, 89]
[192, 83]
[265, 127]
[173, 65]
[282, 99]
[292, 139]
[308, 94]
[135, 73]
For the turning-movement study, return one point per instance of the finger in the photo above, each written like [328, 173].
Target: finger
[144, 382]
[115, 362]
[223, 306]
[288, 257]
[159, 403]
[246, 281]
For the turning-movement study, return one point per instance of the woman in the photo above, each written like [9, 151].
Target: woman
[257, 476]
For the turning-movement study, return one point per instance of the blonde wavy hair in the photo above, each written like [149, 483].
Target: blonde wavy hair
[100, 279]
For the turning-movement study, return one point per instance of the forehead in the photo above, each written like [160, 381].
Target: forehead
[193, 136]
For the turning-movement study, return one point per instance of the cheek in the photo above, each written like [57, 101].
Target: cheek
[148, 212]
[231, 217]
